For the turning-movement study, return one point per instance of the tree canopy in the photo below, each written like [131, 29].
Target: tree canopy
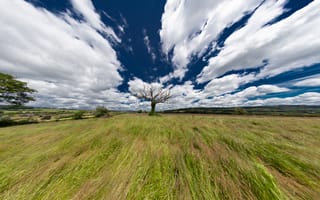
[153, 94]
[13, 91]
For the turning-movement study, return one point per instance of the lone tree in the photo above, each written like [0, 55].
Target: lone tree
[153, 94]
[14, 92]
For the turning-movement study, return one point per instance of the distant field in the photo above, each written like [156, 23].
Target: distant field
[133, 156]
[41, 114]
[281, 110]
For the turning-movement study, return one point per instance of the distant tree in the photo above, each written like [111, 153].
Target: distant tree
[153, 94]
[240, 111]
[78, 115]
[6, 121]
[101, 111]
[14, 92]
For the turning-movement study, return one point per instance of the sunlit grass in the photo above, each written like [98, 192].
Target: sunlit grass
[167, 157]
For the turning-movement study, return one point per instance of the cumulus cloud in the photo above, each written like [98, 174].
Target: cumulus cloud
[313, 81]
[63, 95]
[58, 55]
[286, 45]
[241, 98]
[186, 96]
[226, 84]
[189, 28]
[309, 98]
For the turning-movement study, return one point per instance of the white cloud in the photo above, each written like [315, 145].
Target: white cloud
[309, 98]
[219, 92]
[87, 10]
[184, 95]
[268, 89]
[289, 44]
[146, 40]
[187, 96]
[72, 63]
[313, 81]
[58, 55]
[241, 98]
[226, 84]
[136, 85]
[190, 27]
[65, 96]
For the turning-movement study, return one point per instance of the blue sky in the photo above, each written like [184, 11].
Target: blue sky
[84, 53]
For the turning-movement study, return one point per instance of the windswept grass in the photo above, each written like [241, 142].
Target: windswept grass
[167, 157]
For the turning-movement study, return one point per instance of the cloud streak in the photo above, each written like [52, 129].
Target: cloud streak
[189, 28]
[60, 56]
[86, 9]
[286, 45]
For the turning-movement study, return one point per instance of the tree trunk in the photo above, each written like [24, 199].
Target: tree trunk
[153, 107]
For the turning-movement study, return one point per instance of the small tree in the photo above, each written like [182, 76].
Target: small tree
[241, 111]
[13, 91]
[101, 111]
[153, 94]
[78, 114]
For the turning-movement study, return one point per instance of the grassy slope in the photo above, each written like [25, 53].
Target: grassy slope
[168, 157]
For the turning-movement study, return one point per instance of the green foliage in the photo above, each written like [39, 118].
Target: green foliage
[5, 121]
[78, 115]
[13, 91]
[46, 117]
[240, 111]
[101, 111]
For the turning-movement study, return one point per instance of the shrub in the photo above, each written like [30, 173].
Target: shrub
[46, 117]
[25, 121]
[240, 111]
[6, 121]
[78, 115]
[101, 111]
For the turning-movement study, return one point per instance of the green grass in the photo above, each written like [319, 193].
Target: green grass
[167, 157]
[19, 116]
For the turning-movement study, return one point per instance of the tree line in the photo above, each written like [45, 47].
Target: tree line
[13, 91]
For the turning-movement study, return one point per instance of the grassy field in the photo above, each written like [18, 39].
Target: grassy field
[41, 114]
[169, 157]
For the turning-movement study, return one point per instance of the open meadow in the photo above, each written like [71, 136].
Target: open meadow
[134, 156]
